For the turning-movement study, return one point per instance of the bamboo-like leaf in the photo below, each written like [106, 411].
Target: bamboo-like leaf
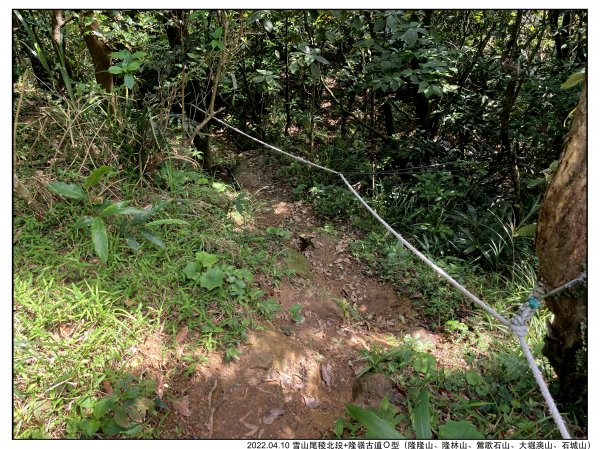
[573, 80]
[152, 238]
[167, 221]
[95, 176]
[459, 430]
[100, 238]
[377, 428]
[67, 190]
[421, 416]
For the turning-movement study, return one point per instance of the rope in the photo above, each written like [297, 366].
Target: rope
[518, 324]
[571, 283]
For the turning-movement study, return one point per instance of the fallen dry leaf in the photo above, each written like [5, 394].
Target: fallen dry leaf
[107, 387]
[272, 415]
[183, 406]
[326, 374]
[160, 385]
[182, 335]
[310, 401]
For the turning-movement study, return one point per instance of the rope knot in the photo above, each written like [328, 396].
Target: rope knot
[520, 322]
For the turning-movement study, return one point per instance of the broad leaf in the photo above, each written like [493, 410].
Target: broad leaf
[207, 260]
[212, 278]
[111, 428]
[132, 66]
[421, 417]
[67, 190]
[100, 238]
[121, 417]
[103, 406]
[90, 426]
[192, 271]
[459, 430]
[115, 70]
[377, 428]
[128, 81]
[95, 176]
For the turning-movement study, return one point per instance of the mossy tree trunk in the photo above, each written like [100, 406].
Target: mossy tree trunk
[561, 245]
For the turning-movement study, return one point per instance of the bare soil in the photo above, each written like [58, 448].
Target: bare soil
[293, 379]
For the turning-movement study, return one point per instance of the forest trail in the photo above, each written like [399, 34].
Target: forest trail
[294, 379]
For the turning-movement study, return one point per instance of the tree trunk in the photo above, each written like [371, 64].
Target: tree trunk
[561, 245]
[100, 52]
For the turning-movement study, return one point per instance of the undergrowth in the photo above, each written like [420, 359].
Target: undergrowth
[80, 323]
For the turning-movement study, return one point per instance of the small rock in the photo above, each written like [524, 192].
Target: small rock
[260, 359]
[370, 389]
[422, 334]
[272, 415]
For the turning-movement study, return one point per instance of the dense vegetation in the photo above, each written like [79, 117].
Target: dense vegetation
[450, 123]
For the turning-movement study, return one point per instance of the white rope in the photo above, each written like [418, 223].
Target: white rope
[544, 389]
[580, 278]
[421, 256]
[518, 324]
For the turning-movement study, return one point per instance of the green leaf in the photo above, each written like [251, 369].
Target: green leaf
[67, 190]
[115, 69]
[133, 66]
[256, 16]
[212, 278]
[152, 238]
[103, 406]
[83, 222]
[90, 426]
[139, 55]
[120, 54]
[410, 37]
[377, 428]
[339, 428]
[424, 363]
[573, 80]
[295, 312]
[421, 417]
[192, 271]
[459, 430]
[268, 25]
[527, 230]
[100, 238]
[315, 70]
[133, 243]
[95, 176]
[167, 221]
[121, 417]
[133, 430]
[219, 186]
[111, 428]
[473, 378]
[321, 59]
[128, 81]
[207, 260]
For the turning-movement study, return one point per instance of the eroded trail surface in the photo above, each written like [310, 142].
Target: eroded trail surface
[294, 379]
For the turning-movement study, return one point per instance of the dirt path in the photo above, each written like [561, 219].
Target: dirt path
[293, 380]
